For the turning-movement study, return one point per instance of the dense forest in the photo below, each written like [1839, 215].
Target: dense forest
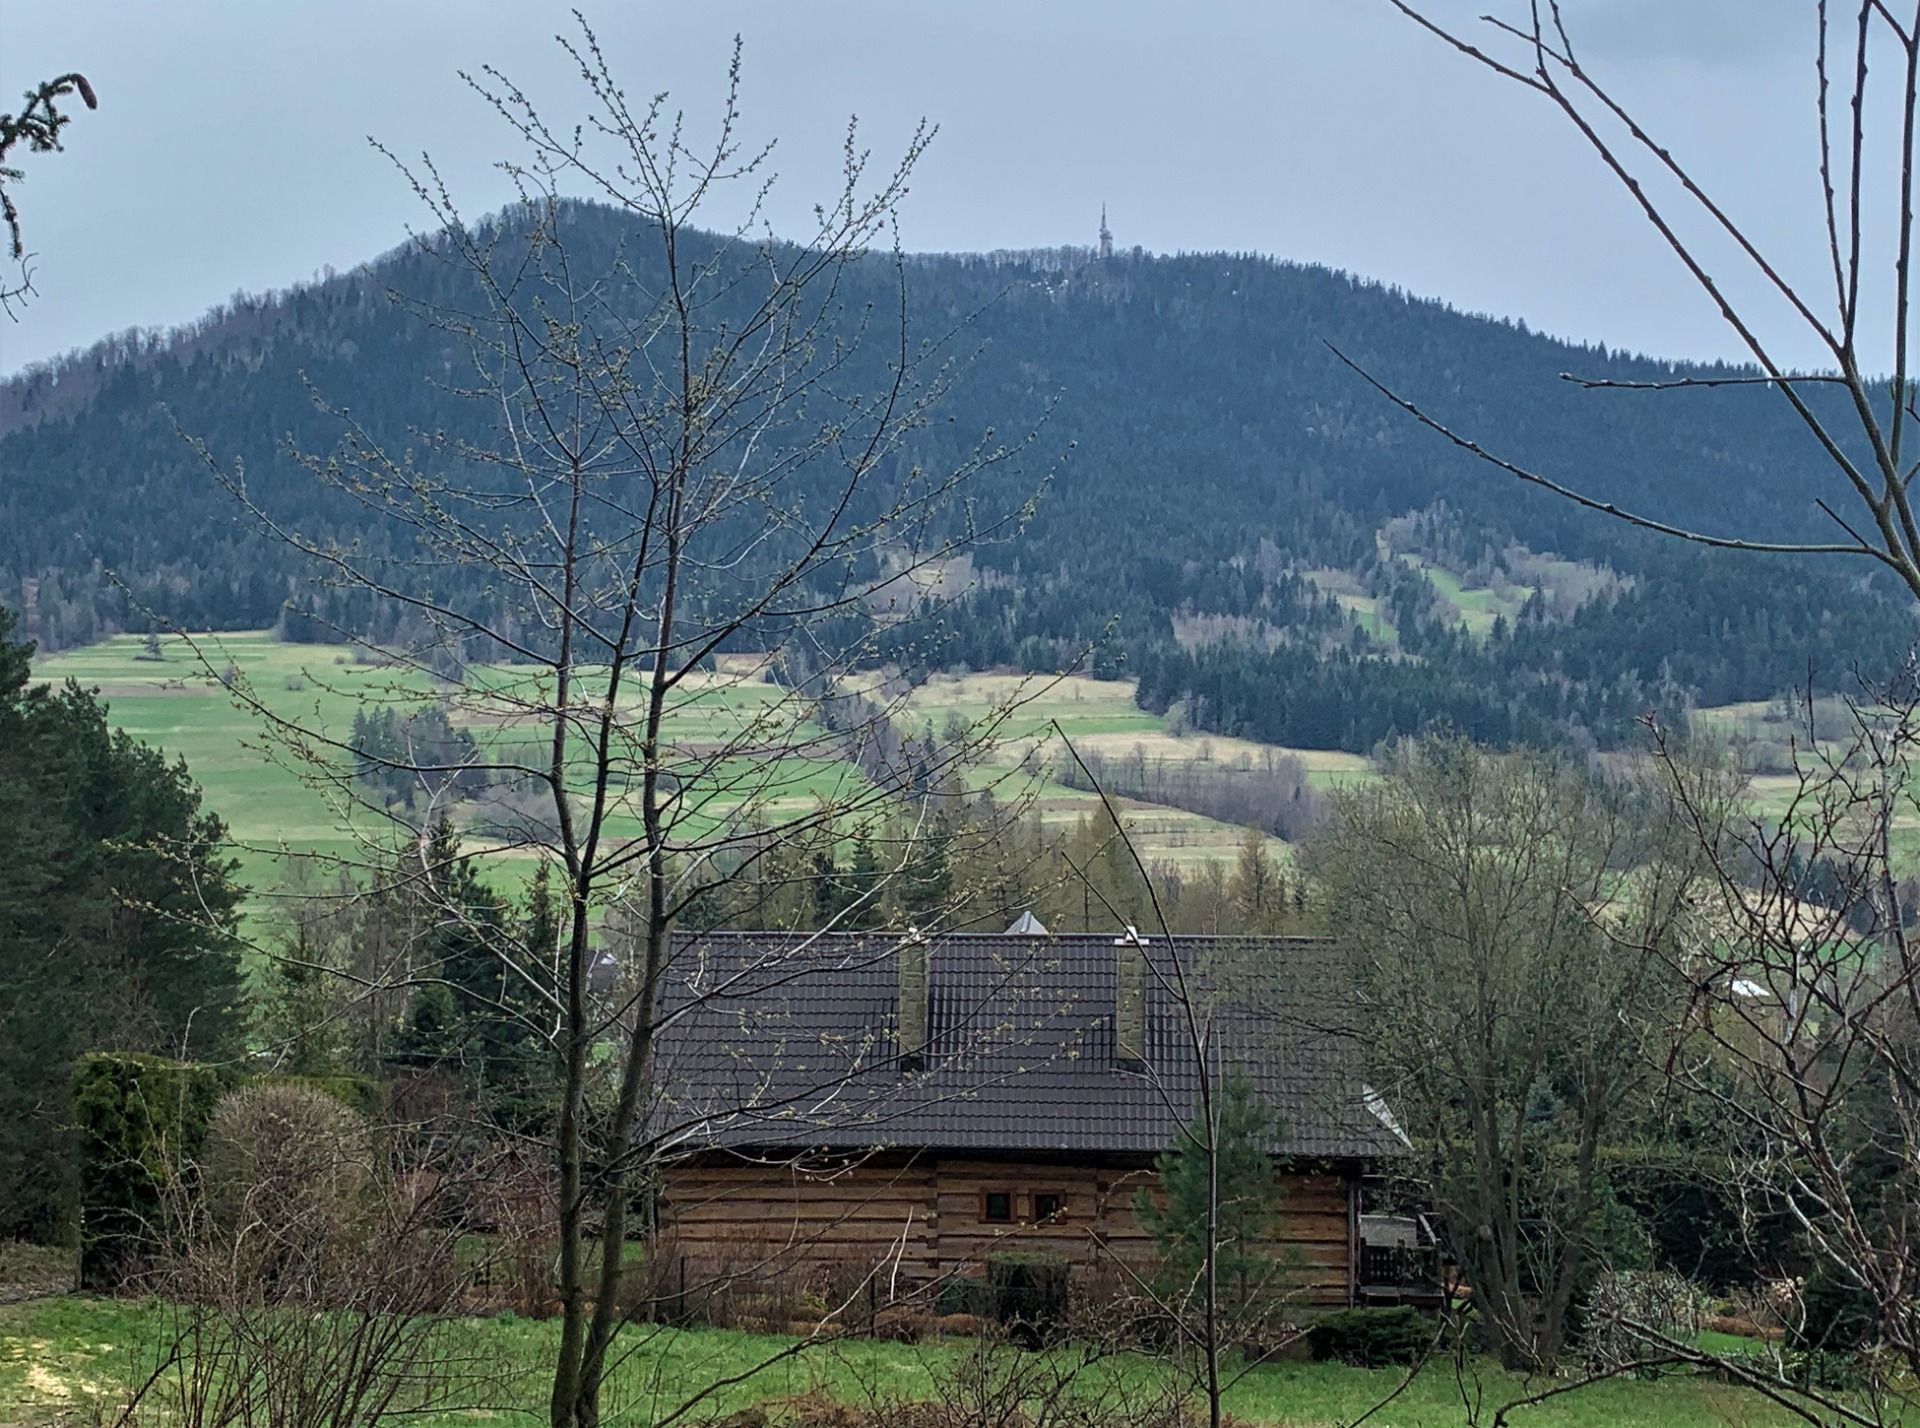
[1213, 488]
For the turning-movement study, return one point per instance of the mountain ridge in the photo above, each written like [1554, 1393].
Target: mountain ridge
[1220, 455]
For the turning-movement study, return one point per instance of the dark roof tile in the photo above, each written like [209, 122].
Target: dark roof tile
[774, 1039]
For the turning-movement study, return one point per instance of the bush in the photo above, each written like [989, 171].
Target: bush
[140, 1120]
[1029, 1290]
[1667, 1304]
[1836, 1316]
[1372, 1338]
[285, 1158]
[967, 1296]
[360, 1094]
[1835, 1370]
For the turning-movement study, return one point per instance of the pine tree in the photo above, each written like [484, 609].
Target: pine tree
[1246, 1128]
[118, 910]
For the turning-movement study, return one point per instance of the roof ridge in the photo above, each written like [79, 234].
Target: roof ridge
[1316, 939]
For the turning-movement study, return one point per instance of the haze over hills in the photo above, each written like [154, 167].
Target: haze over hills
[1230, 513]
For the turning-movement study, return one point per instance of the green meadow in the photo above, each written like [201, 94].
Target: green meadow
[272, 805]
[64, 1359]
[1477, 606]
[276, 803]
[1099, 716]
[172, 704]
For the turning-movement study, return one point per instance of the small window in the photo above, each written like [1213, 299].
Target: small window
[1048, 1205]
[996, 1207]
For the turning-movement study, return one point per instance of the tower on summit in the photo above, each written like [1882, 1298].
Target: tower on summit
[1106, 235]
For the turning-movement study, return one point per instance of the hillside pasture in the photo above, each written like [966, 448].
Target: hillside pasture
[1476, 606]
[1364, 609]
[271, 803]
[1781, 752]
[1099, 716]
[174, 703]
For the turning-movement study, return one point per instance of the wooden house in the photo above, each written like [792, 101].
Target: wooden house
[840, 1102]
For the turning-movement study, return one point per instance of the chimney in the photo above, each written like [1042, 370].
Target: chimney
[1130, 1000]
[916, 1003]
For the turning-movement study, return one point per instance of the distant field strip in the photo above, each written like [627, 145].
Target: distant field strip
[171, 702]
[1099, 716]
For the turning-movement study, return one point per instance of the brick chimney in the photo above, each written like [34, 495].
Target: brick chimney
[915, 1010]
[1130, 1000]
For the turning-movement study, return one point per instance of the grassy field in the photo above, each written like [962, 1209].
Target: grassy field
[1100, 716]
[1367, 614]
[59, 1357]
[1477, 606]
[1365, 609]
[268, 805]
[1770, 725]
[171, 702]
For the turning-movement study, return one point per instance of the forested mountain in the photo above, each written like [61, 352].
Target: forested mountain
[1232, 514]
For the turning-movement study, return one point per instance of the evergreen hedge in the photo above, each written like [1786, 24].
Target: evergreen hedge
[140, 1121]
[1372, 1338]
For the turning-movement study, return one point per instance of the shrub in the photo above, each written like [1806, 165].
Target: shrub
[1836, 1316]
[1835, 1370]
[1029, 1291]
[967, 1296]
[286, 1158]
[360, 1094]
[1372, 1338]
[140, 1120]
[1667, 1304]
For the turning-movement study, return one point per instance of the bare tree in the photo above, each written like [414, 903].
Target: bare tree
[1498, 910]
[1803, 993]
[37, 128]
[692, 480]
[1867, 183]
[1803, 1030]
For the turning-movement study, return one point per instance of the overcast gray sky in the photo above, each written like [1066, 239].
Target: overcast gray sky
[229, 149]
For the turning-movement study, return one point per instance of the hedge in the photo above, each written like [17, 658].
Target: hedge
[139, 1121]
[1372, 1338]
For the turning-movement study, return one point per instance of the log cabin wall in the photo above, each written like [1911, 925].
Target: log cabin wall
[941, 1215]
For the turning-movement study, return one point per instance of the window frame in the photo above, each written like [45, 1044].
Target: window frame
[1012, 1216]
[1059, 1215]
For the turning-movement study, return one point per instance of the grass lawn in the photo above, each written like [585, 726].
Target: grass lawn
[57, 1356]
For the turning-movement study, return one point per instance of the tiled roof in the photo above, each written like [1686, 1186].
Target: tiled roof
[774, 1039]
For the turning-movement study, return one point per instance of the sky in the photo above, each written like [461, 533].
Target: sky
[230, 152]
